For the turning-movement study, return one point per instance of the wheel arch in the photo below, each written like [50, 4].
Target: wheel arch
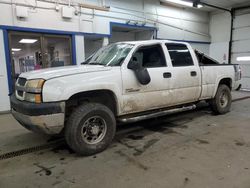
[226, 81]
[102, 96]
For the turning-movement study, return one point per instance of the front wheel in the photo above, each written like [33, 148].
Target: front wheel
[222, 101]
[90, 129]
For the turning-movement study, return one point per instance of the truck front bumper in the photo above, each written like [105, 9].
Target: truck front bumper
[45, 118]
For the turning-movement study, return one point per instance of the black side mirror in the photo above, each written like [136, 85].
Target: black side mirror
[141, 72]
[134, 64]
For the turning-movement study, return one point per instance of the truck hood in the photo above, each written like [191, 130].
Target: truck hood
[63, 71]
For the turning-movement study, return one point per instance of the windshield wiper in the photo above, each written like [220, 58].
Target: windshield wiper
[95, 63]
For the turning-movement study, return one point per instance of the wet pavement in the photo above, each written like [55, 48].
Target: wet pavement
[191, 149]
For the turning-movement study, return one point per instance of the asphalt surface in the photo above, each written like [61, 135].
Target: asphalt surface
[191, 149]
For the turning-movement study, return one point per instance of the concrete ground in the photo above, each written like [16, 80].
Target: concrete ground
[193, 149]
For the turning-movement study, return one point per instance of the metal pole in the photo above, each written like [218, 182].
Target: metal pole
[231, 37]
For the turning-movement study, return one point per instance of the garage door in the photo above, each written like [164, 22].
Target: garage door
[241, 44]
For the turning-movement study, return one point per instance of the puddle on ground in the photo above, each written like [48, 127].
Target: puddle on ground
[145, 147]
[62, 147]
[135, 137]
[46, 170]
[200, 141]
[238, 143]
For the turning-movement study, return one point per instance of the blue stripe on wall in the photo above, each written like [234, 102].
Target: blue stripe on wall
[50, 31]
[8, 59]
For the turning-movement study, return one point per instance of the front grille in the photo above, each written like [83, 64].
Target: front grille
[21, 81]
[20, 86]
[20, 93]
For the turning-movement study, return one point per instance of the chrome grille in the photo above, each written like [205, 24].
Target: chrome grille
[20, 88]
[20, 93]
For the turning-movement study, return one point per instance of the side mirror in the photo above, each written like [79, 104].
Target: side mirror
[134, 64]
[141, 72]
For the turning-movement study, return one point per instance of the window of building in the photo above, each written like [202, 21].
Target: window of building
[34, 51]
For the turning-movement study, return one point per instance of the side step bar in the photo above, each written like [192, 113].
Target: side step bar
[155, 114]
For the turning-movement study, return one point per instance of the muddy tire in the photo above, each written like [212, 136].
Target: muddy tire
[222, 101]
[90, 129]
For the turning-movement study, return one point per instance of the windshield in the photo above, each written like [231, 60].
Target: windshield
[111, 55]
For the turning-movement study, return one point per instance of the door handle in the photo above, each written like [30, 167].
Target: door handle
[167, 75]
[193, 73]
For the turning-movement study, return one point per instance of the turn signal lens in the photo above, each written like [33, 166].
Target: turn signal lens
[38, 98]
[31, 97]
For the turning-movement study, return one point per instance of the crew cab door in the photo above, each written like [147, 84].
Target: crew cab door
[185, 84]
[138, 97]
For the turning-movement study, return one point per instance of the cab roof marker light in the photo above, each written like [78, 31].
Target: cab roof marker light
[185, 3]
[243, 58]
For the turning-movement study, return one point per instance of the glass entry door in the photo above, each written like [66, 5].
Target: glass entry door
[25, 52]
[34, 51]
[57, 51]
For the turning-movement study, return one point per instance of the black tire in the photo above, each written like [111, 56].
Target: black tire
[219, 104]
[79, 129]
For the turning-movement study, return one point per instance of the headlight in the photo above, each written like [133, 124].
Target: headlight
[34, 86]
[31, 97]
[33, 89]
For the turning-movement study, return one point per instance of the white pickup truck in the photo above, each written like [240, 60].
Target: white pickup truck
[122, 82]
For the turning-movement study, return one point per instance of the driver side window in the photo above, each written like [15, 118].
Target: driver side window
[150, 56]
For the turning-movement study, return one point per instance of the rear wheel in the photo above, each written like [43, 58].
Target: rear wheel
[222, 101]
[90, 129]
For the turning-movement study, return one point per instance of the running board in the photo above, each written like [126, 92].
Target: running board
[155, 114]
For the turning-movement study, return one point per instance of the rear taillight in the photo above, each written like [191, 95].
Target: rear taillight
[238, 73]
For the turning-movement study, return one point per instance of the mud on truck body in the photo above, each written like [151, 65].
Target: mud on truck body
[122, 82]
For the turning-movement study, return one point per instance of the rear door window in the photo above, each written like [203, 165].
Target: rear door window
[179, 54]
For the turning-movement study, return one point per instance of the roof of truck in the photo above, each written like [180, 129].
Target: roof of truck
[152, 41]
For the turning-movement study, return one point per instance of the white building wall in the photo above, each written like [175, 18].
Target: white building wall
[220, 28]
[201, 47]
[80, 50]
[173, 23]
[4, 90]
[91, 45]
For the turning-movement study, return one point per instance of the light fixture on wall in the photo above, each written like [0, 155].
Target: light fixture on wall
[181, 2]
[28, 41]
[15, 49]
[243, 58]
